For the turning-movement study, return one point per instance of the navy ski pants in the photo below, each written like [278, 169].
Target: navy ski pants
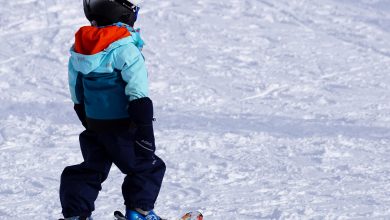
[80, 184]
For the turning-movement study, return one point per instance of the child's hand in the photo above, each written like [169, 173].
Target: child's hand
[141, 113]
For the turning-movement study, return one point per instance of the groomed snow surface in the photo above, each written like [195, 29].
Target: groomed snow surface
[265, 109]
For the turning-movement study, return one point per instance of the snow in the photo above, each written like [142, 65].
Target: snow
[265, 109]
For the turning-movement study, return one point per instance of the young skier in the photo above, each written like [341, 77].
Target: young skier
[109, 87]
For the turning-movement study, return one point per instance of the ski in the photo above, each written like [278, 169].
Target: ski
[195, 215]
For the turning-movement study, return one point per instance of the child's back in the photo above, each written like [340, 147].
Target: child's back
[106, 71]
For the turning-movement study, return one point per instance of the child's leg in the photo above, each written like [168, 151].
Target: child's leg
[140, 189]
[80, 184]
[144, 170]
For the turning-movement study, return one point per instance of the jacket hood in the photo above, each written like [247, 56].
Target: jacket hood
[92, 40]
[92, 44]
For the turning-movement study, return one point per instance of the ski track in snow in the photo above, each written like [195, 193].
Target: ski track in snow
[265, 109]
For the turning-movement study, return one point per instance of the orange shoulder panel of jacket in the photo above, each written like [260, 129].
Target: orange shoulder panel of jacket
[91, 40]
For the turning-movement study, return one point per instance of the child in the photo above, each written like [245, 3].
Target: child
[109, 87]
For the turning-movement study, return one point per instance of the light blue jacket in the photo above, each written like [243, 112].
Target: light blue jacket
[106, 81]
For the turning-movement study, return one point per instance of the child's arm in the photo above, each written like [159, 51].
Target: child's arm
[140, 107]
[76, 92]
[134, 73]
[75, 85]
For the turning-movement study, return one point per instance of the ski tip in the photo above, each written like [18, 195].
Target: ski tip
[119, 216]
[118, 213]
[195, 215]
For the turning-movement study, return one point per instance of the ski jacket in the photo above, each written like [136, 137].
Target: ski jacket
[106, 71]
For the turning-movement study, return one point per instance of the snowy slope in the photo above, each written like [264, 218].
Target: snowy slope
[265, 109]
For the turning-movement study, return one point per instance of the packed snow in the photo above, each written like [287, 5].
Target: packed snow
[265, 109]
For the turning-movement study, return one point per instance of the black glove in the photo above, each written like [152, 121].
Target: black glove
[80, 111]
[141, 113]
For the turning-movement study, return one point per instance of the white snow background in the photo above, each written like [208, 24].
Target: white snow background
[266, 109]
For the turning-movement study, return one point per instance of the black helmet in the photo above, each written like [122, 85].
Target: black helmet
[106, 12]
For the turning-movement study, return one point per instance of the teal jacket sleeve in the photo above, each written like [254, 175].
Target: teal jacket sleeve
[134, 73]
[75, 84]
